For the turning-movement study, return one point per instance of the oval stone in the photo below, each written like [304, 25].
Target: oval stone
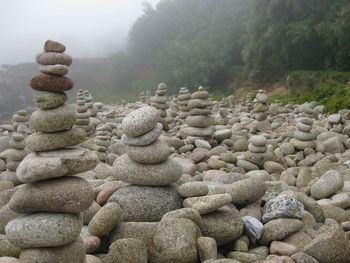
[64, 195]
[146, 203]
[53, 120]
[200, 121]
[140, 121]
[54, 46]
[44, 230]
[132, 172]
[71, 253]
[154, 153]
[45, 165]
[54, 69]
[53, 58]
[48, 100]
[45, 82]
[39, 142]
[145, 139]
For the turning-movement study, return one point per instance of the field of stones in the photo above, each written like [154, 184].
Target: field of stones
[178, 179]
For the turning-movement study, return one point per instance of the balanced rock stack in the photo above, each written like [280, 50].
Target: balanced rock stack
[20, 121]
[182, 100]
[52, 198]
[89, 100]
[142, 97]
[103, 141]
[147, 168]
[199, 119]
[12, 157]
[303, 137]
[159, 101]
[256, 155]
[261, 112]
[83, 113]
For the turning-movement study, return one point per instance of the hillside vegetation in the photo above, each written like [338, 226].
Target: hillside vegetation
[220, 44]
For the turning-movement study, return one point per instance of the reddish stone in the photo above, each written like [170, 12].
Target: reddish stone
[105, 193]
[348, 234]
[45, 82]
[282, 248]
[253, 210]
[164, 123]
[91, 243]
[188, 167]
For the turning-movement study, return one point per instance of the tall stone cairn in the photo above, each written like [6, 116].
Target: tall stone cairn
[52, 197]
[199, 117]
[83, 113]
[103, 141]
[159, 101]
[148, 169]
[261, 111]
[182, 100]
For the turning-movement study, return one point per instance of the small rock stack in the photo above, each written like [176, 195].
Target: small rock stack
[52, 199]
[142, 97]
[147, 168]
[261, 112]
[21, 121]
[12, 157]
[182, 100]
[159, 101]
[103, 141]
[257, 154]
[303, 137]
[83, 113]
[199, 119]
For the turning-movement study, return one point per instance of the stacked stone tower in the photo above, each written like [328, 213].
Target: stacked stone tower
[159, 101]
[20, 121]
[103, 141]
[52, 197]
[83, 113]
[147, 168]
[182, 100]
[303, 137]
[261, 111]
[199, 119]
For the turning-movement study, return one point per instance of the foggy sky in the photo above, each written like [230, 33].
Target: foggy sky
[89, 28]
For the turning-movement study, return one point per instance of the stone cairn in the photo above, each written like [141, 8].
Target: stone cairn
[103, 141]
[12, 157]
[182, 100]
[261, 112]
[147, 168]
[159, 101]
[199, 119]
[83, 113]
[303, 137]
[20, 121]
[142, 97]
[52, 197]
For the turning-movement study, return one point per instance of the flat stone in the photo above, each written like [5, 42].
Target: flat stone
[46, 82]
[39, 142]
[127, 250]
[175, 240]
[54, 69]
[49, 100]
[257, 149]
[53, 58]
[140, 121]
[246, 191]
[146, 203]
[64, 195]
[224, 225]
[306, 121]
[328, 184]
[45, 165]
[8, 260]
[273, 167]
[54, 46]
[107, 218]
[200, 121]
[71, 253]
[282, 206]
[304, 127]
[188, 213]
[199, 132]
[132, 172]
[245, 257]
[201, 94]
[44, 230]
[199, 103]
[302, 257]
[258, 140]
[145, 139]
[279, 229]
[302, 145]
[199, 111]
[53, 120]
[156, 152]
[304, 136]
[192, 189]
[207, 204]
